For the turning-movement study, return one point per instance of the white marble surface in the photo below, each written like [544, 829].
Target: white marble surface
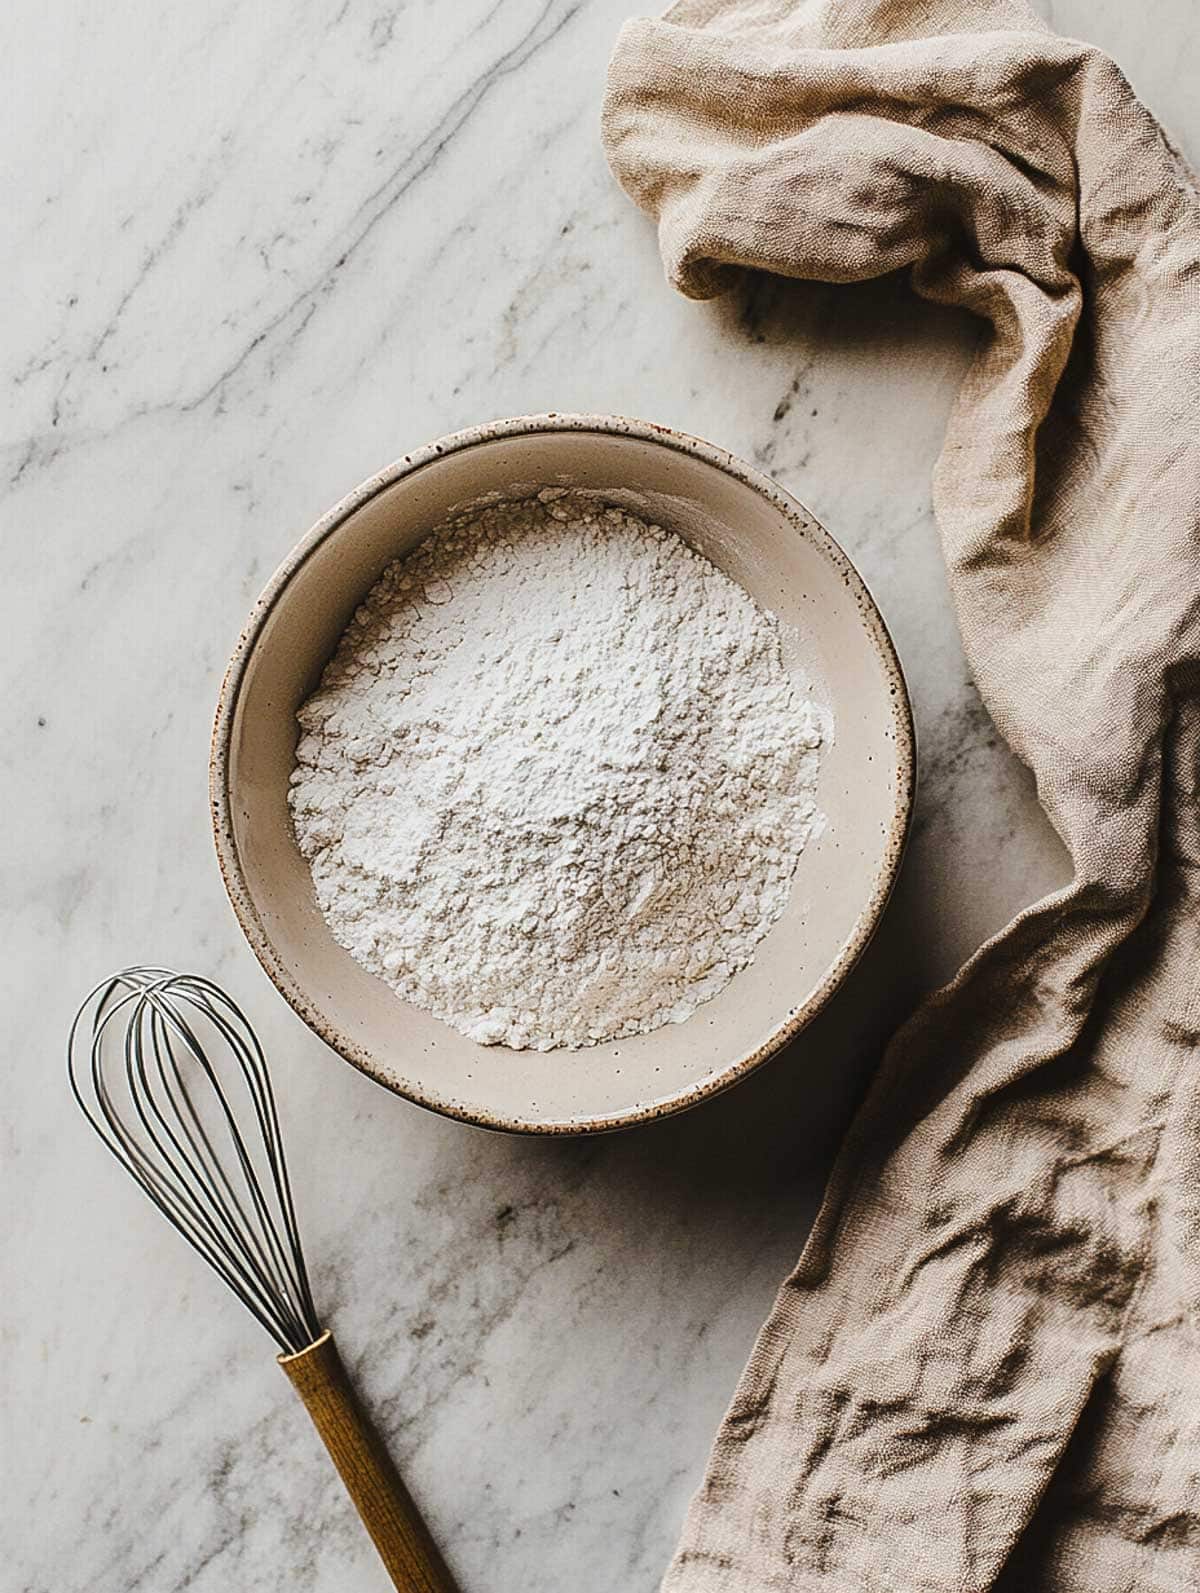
[254, 252]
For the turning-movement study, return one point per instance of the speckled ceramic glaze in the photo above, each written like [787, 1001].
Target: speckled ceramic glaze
[835, 644]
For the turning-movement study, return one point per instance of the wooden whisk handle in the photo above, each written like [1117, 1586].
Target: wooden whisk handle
[372, 1481]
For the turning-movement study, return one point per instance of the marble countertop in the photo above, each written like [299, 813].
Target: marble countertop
[259, 251]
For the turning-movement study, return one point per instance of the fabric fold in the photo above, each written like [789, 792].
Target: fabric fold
[981, 1373]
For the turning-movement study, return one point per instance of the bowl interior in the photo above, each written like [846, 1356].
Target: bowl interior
[834, 644]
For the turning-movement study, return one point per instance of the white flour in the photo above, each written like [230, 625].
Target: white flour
[555, 782]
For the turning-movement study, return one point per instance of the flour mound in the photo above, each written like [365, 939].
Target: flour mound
[555, 782]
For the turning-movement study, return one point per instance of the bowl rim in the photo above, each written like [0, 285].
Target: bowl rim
[220, 796]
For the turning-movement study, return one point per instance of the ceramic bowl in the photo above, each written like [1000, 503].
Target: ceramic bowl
[835, 643]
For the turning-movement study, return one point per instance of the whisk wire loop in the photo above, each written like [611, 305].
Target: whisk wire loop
[166, 1111]
[230, 1225]
[238, 1229]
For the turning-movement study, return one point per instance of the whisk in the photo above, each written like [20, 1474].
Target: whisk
[170, 1074]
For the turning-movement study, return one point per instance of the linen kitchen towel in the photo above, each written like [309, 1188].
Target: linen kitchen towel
[985, 1370]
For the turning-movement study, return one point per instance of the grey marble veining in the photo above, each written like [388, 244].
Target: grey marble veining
[254, 252]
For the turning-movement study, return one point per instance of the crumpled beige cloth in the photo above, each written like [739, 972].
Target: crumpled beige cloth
[985, 1370]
